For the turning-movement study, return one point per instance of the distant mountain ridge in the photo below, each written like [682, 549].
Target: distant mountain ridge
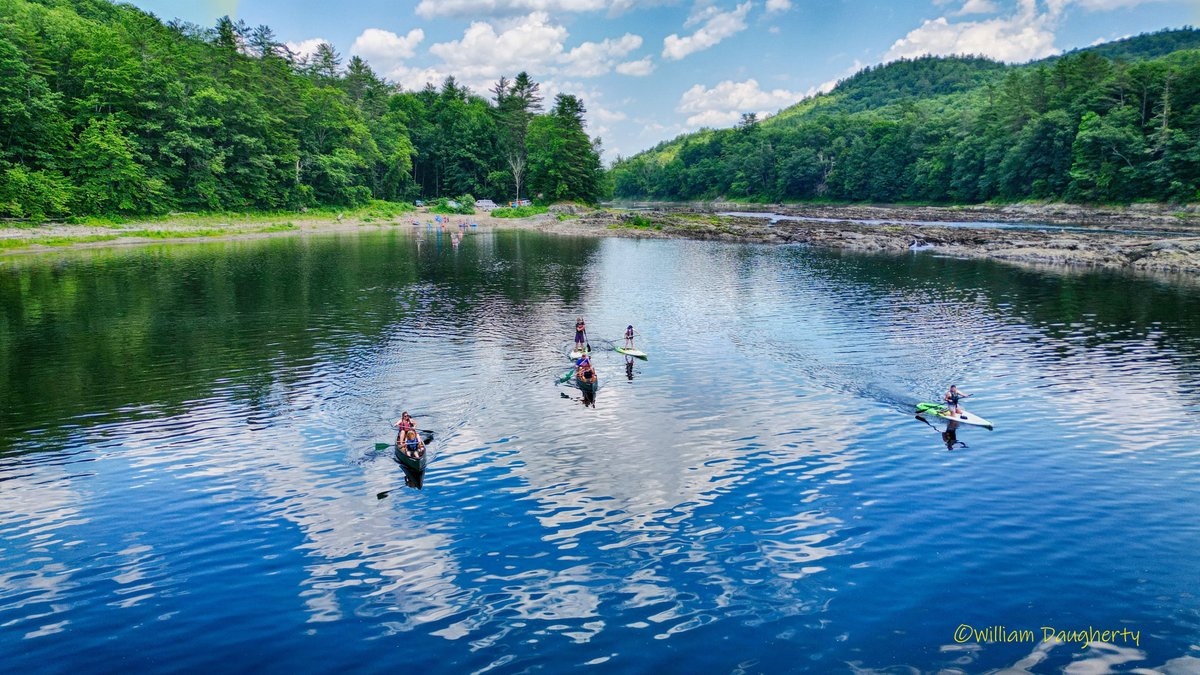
[1110, 122]
[928, 76]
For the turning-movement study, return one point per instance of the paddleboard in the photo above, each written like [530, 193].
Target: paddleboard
[575, 353]
[629, 351]
[944, 413]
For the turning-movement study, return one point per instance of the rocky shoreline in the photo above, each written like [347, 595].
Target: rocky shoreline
[1165, 241]
[1164, 216]
[1149, 238]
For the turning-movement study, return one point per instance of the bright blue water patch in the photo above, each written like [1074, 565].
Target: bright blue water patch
[189, 480]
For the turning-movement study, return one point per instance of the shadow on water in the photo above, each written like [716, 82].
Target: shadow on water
[112, 335]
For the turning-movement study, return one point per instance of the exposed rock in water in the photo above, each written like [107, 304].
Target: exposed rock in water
[1100, 245]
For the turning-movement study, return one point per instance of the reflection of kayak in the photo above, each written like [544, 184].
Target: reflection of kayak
[630, 351]
[417, 463]
[943, 412]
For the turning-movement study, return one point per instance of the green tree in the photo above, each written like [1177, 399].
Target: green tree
[516, 105]
[109, 177]
[564, 164]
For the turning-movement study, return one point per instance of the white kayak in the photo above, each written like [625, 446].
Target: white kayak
[944, 413]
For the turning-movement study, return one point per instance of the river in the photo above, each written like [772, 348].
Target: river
[189, 479]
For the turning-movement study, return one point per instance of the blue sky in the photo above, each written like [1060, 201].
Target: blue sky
[649, 70]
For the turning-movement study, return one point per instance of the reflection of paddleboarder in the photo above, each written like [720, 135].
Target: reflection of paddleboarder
[949, 436]
[629, 367]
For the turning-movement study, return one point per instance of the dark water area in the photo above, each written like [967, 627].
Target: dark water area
[189, 478]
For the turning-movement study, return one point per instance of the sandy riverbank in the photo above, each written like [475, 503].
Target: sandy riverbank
[1169, 242]
[51, 237]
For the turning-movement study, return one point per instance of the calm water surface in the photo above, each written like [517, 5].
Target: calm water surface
[189, 479]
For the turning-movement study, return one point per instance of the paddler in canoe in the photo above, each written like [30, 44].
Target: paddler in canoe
[403, 424]
[410, 444]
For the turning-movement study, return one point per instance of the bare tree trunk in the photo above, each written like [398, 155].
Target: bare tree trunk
[516, 163]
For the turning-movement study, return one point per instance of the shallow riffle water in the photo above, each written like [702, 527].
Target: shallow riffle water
[189, 479]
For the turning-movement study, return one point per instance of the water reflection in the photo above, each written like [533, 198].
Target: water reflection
[760, 482]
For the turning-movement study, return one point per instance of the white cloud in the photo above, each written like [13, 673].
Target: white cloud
[1102, 40]
[639, 68]
[306, 48]
[828, 85]
[606, 115]
[717, 26]
[597, 58]
[977, 7]
[416, 78]
[492, 8]
[531, 43]
[1023, 36]
[1028, 33]
[714, 118]
[778, 5]
[724, 104]
[384, 50]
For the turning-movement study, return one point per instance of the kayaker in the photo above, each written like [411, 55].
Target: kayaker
[580, 337]
[586, 374]
[583, 369]
[629, 333]
[412, 445]
[953, 397]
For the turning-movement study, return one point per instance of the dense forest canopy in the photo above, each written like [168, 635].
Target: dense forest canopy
[104, 109]
[1115, 123]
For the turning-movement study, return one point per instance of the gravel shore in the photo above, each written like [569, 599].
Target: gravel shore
[1156, 239]
[1151, 237]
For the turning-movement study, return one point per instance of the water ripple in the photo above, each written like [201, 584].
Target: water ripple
[759, 489]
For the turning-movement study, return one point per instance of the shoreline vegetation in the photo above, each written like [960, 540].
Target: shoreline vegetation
[112, 113]
[1141, 237]
[109, 112]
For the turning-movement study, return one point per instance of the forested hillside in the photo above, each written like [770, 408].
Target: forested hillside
[106, 110]
[1115, 123]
